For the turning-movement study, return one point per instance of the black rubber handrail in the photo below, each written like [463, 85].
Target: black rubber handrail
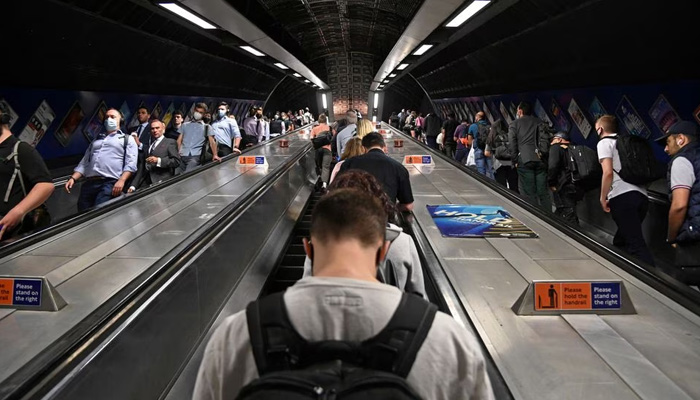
[39, 375]
[77, 219]
[654, 277]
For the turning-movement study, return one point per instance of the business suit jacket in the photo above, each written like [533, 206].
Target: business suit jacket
[169, 162]
[522, 134]
[145, 137]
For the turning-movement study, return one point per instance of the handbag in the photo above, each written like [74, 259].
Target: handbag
[322, 139]
[470, 158]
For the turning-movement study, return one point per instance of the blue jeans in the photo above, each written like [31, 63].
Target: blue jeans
[483, 164]
[94, 192]
[462, 154]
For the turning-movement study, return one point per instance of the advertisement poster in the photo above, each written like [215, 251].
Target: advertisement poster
[596, 109]
[69, 124]
[168, 114]
[541, 113]
[188, 117]
[696, 114]
[560, 120]
[95, 125]
[461, 220]
[630, 118]
[38, 124]
[663, 114]
[156, 112]
[8, 109]
[487, 112]
[472, 108]
[134, 119]
[505, 113]
[579, 119]
[495, 111]
[513, 110]
[126, 114]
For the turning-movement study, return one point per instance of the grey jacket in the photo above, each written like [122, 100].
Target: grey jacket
[522, 135]
[404, 257]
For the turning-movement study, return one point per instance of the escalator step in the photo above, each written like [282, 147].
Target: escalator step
[293, 260]
[289, 273]
[295, 248]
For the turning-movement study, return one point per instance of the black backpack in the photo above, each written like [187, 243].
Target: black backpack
[543, 140]
[291, 368]
[584, 166]
[322, 139]
[638, 165]
[481, 136]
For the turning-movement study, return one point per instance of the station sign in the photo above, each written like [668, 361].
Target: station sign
[252, 160]
[574, 297]
[29, 293]
[417, 159]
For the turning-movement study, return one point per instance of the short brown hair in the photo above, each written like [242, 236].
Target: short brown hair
[322, 119]
[608, 123]
[366, 182]
[345, 214]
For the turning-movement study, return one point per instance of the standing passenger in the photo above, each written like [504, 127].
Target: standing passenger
[324, 157]
[253, 128]
[192, 138]
[224, 136]
[108, 163]
[432, 129]
[532, 171]
[479, 131]
[173, 132]
[448, 131]
[348, 131]
[682, 145]
[565, 192]
[505, 174]
[627, 203]
[161, 160]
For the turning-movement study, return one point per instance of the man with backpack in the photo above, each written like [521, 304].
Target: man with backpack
[626, 201]
[565, 192]
[341, 333]
[25, 183]
[107, 165]
[479, 133]
[681, 143]
[528, 155]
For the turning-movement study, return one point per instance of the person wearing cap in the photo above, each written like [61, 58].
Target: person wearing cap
[564, 191]
[681, 143]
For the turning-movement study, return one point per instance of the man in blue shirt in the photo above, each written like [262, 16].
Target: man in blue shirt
[479, 131]
[108, 163]
[223, 134]
[191, 139]
[253, 127]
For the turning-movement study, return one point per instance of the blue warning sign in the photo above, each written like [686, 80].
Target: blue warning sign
[606, 295]
[260, 160]
[27, 292]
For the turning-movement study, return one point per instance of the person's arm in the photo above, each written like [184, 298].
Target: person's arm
[513, 144]
[677, 212]
[606, 182]
[171, 159]
[408, 207]
[36, 197]
[79, 170]
[130, 167]
[214, 150]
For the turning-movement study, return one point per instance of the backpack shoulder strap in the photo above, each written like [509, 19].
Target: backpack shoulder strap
[17, 172]
[395, 348]
[276, 344]
[126, 144]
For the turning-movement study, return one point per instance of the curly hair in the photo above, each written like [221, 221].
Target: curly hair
[366, 182]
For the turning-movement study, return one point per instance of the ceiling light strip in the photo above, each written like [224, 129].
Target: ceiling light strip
[467, 13]
[186, 14]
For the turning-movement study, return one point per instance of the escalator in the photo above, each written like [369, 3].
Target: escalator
[291, 265]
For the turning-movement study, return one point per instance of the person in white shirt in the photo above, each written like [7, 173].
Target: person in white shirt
[344, 301]
[627, 203]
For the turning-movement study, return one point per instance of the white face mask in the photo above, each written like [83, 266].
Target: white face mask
[197, 116]
[111, 124]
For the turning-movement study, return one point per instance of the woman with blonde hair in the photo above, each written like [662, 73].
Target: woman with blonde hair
[352, 148]
[364, 126]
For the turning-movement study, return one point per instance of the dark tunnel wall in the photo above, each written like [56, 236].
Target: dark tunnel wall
[293, 95]
[405, 94]
[116, 45]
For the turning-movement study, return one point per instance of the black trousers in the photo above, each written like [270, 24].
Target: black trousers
[507, 176]
[628, 211]
[565, 200]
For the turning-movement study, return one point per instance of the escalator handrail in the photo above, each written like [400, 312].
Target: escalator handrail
[79, 218]
[652, 276]
[36, 378]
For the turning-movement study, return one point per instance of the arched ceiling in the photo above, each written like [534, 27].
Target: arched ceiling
[342, 41]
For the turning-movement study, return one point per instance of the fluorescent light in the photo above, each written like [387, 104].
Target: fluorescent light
[176, 9]
[467, 13]
[374, 118]
[402, 67]
[297, 75]
[421, 50]
[307, 81]
[376, 100]
[280, 65]
[252, 51]
[325, 102]
[392, 75]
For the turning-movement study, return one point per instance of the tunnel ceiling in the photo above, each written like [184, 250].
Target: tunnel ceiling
[552, 44]
[343, 41]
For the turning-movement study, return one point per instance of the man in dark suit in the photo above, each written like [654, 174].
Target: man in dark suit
[532, 171]
[141, 132]
[161, 159]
